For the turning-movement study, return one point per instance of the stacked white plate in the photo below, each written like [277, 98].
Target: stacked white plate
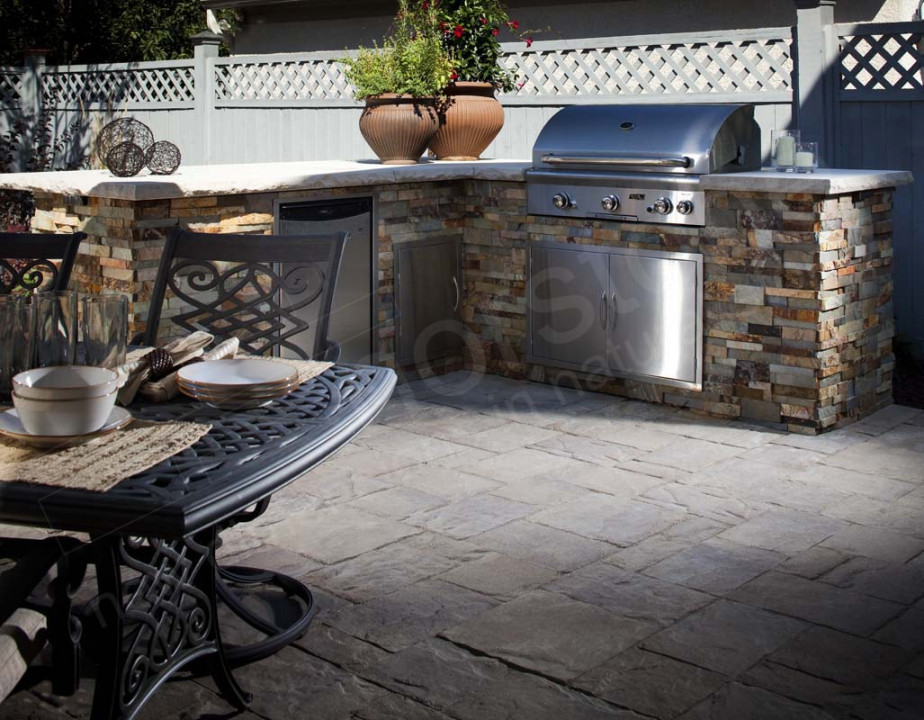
[241, 383]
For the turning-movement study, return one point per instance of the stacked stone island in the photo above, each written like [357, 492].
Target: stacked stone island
[797, 271]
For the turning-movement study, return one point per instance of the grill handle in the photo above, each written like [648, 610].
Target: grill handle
[681, 162]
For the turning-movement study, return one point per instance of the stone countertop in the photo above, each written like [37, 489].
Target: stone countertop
[243, 179]
[820, 182]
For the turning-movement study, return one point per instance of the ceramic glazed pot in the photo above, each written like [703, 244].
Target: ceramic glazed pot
[398, 127]
[469, 121]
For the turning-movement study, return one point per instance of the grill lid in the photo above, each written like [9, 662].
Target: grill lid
[679, 139]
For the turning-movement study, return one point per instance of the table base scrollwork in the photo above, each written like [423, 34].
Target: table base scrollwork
[156, 621]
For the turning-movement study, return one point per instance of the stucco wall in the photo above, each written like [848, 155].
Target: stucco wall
[307, 27]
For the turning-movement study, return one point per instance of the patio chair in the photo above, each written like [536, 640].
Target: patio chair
[26, 260]
[272, 292]
[27, 621]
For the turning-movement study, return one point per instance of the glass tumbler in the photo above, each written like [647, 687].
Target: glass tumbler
[55, 328]
[17, 333]
[104, 322]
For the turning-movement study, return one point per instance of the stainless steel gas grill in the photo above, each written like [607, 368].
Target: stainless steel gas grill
[638, 163]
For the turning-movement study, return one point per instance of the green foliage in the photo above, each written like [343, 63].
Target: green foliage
[411, 61]
[471, 31]
[100, 31]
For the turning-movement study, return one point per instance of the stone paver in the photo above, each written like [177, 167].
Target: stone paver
[550, 633]
[630, 595]
[725, 637]
[613, 520]
[786, 531]
[715, 566]
[652, 684]
[490, 549]
[817, 602]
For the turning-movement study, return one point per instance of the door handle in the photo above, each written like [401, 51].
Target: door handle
[603, 309]
[614, 314]
[455, 284]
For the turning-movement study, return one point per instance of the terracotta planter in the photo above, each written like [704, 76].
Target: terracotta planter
[469, 121]
[398, 127]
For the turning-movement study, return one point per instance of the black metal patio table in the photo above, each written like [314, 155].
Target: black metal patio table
[162, 527]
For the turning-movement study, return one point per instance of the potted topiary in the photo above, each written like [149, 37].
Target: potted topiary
[471, 117]
[400, 83]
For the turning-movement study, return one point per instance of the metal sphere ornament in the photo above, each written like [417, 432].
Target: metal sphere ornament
[123, 130]
[162, 158]
[125, 159]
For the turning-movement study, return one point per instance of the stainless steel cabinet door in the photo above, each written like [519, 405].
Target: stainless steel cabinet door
[653, 316]
[428, 298]
[568, 306]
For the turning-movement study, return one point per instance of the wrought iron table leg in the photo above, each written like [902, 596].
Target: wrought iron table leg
[278, 637]
[158, 622]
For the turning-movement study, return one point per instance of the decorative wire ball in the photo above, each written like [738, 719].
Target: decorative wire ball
[162, 158]
[123, 130]
[125, 159]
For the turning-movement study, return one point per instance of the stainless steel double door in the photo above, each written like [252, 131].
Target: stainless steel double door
[632, 313]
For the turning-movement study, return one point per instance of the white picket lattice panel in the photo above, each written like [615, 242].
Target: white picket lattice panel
[732, 66]
[75, 88]
[11, 82]
[887, 61]
[315, 79]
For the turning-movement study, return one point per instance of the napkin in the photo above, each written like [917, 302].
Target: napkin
[167, 387]
[136, 371]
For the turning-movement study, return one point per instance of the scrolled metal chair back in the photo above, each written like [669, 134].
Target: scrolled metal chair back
[27, 261]
[269, 291]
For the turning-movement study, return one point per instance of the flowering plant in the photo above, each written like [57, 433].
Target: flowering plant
[470, 30]
[411, 61]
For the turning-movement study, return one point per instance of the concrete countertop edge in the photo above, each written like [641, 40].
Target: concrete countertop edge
[245, 179]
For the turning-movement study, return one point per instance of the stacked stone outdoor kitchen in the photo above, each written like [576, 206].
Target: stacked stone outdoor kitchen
[797, 292]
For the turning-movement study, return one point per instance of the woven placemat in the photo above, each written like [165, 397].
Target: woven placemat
[307, 369]
[102, 463]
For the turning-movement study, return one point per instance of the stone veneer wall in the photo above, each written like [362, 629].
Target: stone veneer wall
[797, 305]
[797, 300]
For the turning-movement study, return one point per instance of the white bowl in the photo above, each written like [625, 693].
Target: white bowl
[65, 382]
[64, 417]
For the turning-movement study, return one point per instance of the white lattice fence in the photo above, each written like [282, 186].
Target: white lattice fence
[164, 85]
[11, 85]
[757, 62]
[262, 79]
[882, 58]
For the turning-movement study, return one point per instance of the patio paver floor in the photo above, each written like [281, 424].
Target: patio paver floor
[499, 549]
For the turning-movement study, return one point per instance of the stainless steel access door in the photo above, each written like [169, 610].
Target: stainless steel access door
[568, 306]
[654, 327]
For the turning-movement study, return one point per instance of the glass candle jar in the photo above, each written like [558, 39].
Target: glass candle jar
[783, 149]
[806, 159]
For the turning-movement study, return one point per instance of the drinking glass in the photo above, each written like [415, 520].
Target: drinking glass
[104, 321]
[783, 148]
[17, 332]
[55, 328]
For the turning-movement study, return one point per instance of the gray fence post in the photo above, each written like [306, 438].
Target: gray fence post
[30, 102]
[206, 46]
[817, 73]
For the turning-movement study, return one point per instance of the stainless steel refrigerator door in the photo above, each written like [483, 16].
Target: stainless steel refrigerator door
[351, 319]
[653, 316]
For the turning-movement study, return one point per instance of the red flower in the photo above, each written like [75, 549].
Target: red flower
[458, 31]
[442, 26]
[454, 76]
[515, 24]
[494, 31]
[529, 42]
[484, 21]
[426, 5]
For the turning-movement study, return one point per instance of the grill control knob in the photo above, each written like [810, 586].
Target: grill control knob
[685, 207]
[562, 201]
[610, 203]
[661, 206]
